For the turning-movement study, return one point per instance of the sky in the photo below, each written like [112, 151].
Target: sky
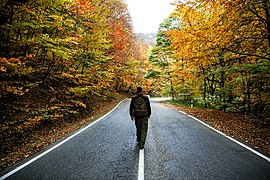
[148, 14]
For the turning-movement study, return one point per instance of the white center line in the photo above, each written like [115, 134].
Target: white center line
[141, 165]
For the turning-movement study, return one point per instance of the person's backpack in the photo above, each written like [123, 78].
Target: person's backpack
[140, 107]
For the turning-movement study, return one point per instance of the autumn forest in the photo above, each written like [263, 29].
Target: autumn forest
[217, 53]
[61, 59]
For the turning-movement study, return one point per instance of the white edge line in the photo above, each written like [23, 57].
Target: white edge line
[232, 139]
[141, 165]
[55, 146]
[182, 112]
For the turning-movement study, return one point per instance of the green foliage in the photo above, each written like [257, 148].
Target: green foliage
[152, 73]
[162, 60]
[83, 92]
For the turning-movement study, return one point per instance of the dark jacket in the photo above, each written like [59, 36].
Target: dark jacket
[140, 106]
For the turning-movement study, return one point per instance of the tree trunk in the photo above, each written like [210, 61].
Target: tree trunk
[204, 92]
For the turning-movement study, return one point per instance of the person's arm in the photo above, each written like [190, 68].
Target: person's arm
[131, 107]
[148, 107]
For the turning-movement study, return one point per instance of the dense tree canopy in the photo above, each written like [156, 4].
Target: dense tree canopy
[221, 53]
[58, 57]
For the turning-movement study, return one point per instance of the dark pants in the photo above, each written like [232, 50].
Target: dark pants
[141, 126]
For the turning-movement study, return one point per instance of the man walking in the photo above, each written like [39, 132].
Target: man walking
[140, 110]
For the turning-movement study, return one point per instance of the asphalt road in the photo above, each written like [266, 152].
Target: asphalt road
[177, 147]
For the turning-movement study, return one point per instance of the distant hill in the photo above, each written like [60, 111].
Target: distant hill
[147, 38]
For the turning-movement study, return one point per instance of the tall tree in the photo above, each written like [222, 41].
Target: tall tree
[224, 46]
[74, 49]
[161, 57]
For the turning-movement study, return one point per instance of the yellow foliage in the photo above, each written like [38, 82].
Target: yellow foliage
[79, 103]
[15, 90]
[3, 69]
